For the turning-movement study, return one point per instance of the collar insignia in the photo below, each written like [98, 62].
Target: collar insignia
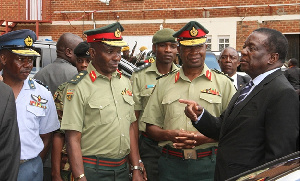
[176, 77]
[118, 33]
[126, 92]
[208, 74]
[194, 32]
[38, 101]
[120, 73]
[151, 60]
[93, 76]
[69, 94]
[211, 91]
[28, 41]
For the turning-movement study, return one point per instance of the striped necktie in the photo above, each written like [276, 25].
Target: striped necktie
[244, 92]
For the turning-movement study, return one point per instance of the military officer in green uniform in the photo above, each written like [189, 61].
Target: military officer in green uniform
[59, 160]
[165, 116]
[144, 80]
[99, 112]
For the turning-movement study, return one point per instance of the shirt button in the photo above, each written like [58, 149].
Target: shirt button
[210, 101]
[100, 107]
[120, 118]
[116, 102]
[122, 134]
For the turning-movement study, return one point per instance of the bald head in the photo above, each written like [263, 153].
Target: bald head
[65, 46]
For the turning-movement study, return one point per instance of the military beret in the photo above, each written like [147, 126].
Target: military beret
[110, 35]
[82, 49]
[19, 42]
[164, 35]
[193, 33]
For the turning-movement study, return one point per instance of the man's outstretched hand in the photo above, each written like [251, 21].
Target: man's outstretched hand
[192, 110]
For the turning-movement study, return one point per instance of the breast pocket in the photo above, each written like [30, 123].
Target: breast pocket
[101, 111]
[146, 92]
[172, 107]
[211, 102]
[34, 114]
[128, 106]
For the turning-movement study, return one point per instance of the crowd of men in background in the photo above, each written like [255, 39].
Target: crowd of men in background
[99, 113]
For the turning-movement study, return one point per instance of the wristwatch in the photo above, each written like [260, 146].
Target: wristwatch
[137, 168]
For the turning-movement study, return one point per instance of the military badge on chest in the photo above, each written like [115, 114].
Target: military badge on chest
[126, 92]
[38, 101]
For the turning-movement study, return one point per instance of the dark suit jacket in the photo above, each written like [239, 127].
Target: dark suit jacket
[293, 76]
[263, 127]
[9, 135]
[242, 81]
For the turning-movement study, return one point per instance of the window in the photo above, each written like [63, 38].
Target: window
[223, 42]
[34, 10]
[208, 43]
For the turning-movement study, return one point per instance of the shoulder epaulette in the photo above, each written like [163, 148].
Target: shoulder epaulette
[219, 72]
[41, 83]
[163, 75]
[77, 78]
[146, 65]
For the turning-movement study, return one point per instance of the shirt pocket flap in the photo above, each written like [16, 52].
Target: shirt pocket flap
[95, 103]
[128, 99]
[146, 92]
[37, 111]
[169, 99]
[211, 98]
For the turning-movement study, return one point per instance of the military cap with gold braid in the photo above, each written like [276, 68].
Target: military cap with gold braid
[192, 34]
[19, 42]
[110, 35]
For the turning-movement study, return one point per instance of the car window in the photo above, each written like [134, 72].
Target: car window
[211, 61]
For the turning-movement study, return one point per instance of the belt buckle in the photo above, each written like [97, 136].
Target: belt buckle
[190, 154]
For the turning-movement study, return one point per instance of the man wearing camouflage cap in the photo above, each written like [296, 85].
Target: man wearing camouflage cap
[165, 118]
[98, 113]
[59, 159]
[144, 80]
[36, 114]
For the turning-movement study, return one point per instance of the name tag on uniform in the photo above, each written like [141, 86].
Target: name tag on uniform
[149, 86]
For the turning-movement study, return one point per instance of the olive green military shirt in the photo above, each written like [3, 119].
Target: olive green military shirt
[143, 83]
[102, 110]
[211, 90]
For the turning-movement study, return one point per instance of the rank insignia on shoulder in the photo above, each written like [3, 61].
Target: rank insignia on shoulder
[69, 94]
[31, 83]
[211, 91]
[208, 74]
[77, 78]
[219, 72]
[38, 101]
[126, 92]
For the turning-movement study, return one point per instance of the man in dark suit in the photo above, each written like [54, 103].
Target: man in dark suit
[9, 135]
[293, 73]
[259, 125]
[229, 61]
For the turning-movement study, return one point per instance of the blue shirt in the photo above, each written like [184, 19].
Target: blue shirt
[36, 114]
